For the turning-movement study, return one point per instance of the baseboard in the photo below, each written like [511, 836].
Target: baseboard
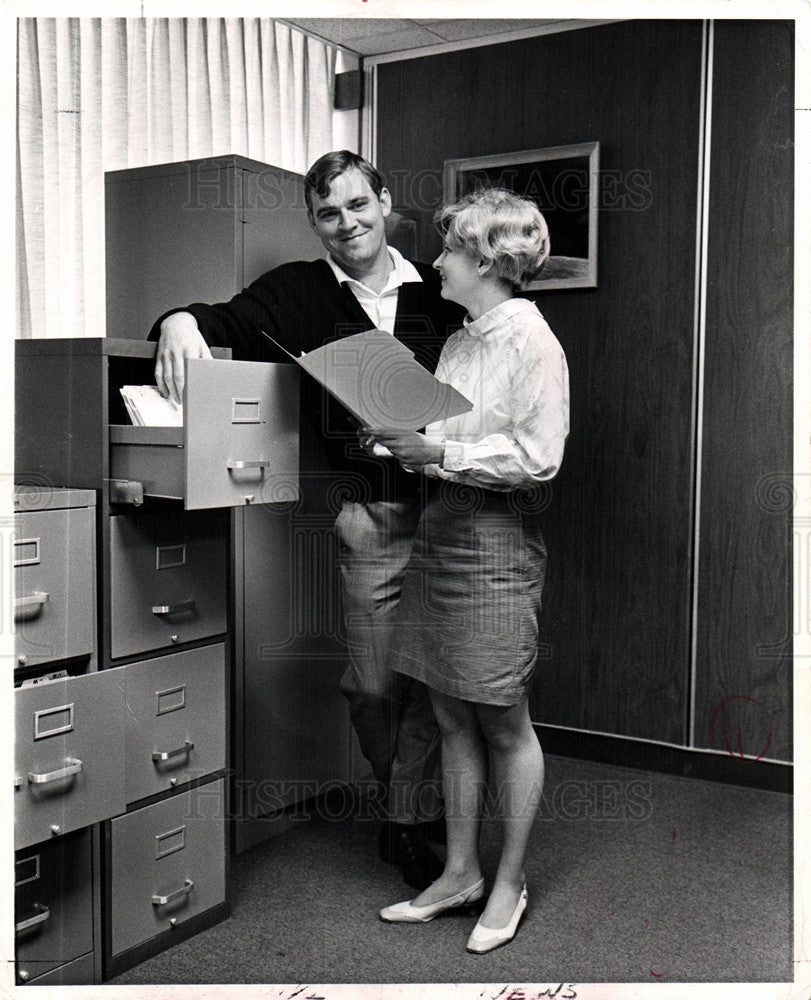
[249, 833]
[140, 953]
[648, 756]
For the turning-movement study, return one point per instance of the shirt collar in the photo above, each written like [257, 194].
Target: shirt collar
[493, 317]
[402, 271]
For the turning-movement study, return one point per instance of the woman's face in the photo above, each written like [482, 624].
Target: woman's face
[459, 272]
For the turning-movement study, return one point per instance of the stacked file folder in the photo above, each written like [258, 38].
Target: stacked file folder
[147, 408]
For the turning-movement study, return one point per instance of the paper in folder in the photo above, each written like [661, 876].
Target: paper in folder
[380, 382]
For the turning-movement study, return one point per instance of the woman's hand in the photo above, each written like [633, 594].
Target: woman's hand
[408, 447]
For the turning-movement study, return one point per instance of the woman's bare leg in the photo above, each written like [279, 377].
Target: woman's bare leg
[516, 785]
[464, 774]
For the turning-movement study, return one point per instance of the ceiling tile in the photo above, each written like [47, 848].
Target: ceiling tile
[343, 30]
[458, 29]
[412, 37]
[370, 36]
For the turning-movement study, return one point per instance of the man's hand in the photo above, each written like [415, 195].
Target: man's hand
[408, 447]
[180, 338]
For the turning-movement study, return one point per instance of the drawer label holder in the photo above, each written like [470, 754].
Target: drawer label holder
[53, 721]
[170, 842]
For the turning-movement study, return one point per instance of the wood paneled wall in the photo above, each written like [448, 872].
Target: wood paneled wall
[620, 520]
[745, 581]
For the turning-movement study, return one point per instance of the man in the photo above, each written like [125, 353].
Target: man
[363, 284]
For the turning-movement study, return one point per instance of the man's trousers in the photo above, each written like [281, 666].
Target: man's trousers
[391, 713]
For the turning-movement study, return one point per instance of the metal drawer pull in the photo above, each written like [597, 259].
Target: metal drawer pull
[72, 766]
[172, 896]
[173, 609]
[262, 464]
[161, 758]
[126, 491]
[42, 914]
[29, 607]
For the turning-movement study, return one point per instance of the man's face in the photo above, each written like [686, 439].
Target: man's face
[349, 221]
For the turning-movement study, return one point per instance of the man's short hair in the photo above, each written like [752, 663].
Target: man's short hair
[327, 167]
[502, 228]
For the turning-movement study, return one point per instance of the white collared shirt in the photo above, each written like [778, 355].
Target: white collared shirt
[511, 367]
[381, 308]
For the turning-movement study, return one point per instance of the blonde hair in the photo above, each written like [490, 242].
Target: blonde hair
[500, 228]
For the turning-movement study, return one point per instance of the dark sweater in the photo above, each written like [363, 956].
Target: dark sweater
[302, 306]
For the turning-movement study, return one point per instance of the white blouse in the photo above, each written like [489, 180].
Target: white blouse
[510, 365]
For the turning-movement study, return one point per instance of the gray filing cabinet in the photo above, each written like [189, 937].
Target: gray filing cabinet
[217, 629]
[66, 775]
[200, 231]
[69, 755]
[167, 865]
[151, 725]
[54, 575]
[54, 909]
[170, 620]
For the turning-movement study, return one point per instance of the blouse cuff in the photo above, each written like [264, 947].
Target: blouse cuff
[453, 458]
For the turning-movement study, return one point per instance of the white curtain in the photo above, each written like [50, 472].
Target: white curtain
[97, 94]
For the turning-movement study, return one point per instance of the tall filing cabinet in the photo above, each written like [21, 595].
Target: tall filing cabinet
[217, 635]
[158, 727]
[200, 231]
[66, 775]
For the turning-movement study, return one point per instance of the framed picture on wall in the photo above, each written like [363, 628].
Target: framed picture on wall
[563, 182]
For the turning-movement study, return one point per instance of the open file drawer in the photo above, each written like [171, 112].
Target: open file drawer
[54, 574]
[69, 755]
[238, 443]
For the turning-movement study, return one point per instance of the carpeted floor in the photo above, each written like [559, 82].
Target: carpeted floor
[633, 876]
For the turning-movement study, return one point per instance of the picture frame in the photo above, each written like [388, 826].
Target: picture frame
[563, 182]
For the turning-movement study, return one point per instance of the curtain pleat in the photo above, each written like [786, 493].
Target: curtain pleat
[137, 93]
[233, 35]
[30, 222]
[200, 96]
[91, 217]
[114, 90]
[178, 90]
[271, 91]
[252, 72]
[99, 94]
[48, 293]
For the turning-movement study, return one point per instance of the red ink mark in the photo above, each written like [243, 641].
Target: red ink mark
[658, 975]
[739, 752]
[673, 837]
[647, 922]
[611, 914]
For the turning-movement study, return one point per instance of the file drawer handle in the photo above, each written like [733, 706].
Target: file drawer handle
[42, 914]
[172, 896]
[173, 609]
[160, 757]
[261, 465]
[30, 606]
[72, 766]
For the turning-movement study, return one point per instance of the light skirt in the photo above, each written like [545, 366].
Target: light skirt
[467, 622]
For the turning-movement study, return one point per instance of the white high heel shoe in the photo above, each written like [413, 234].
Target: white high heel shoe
[484, 939]
[407, 913]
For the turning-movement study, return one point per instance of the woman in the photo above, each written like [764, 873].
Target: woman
[468, 616]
